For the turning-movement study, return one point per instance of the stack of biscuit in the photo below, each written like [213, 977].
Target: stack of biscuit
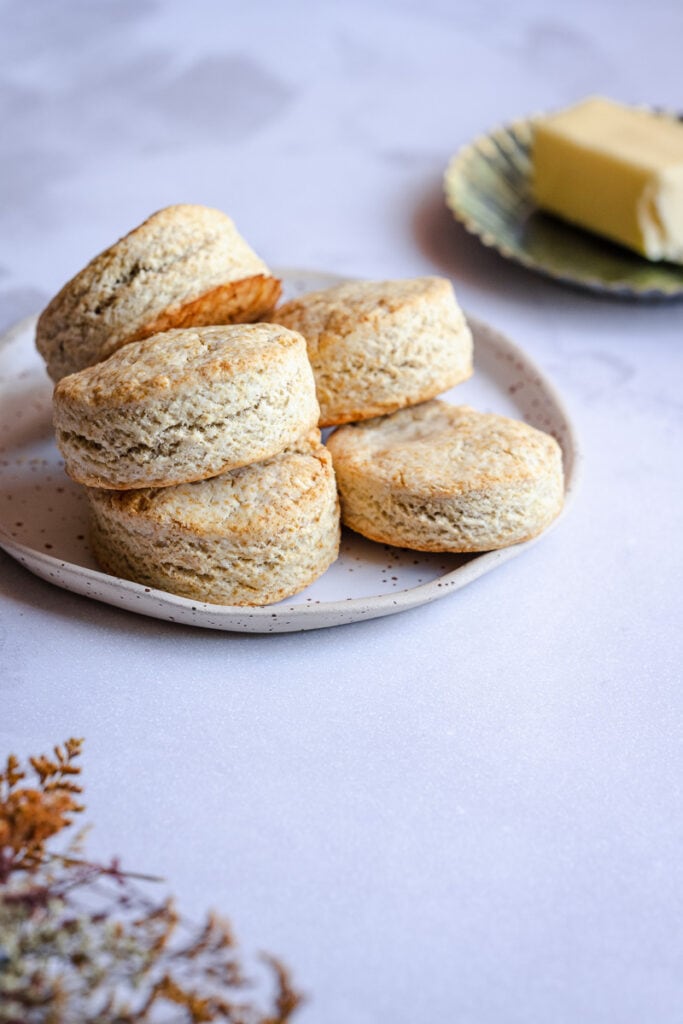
[190, 408]
[193, 429]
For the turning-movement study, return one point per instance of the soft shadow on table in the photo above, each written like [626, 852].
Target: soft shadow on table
[460, 255]
[447, 244]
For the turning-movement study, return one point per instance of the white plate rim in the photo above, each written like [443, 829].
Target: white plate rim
[284, 617]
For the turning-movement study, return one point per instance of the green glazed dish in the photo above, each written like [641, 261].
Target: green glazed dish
[488, 189]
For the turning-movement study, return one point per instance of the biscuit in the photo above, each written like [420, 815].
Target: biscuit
[377, 346]
[185, 405]
[186, 266]
[439, 477]
[252, 536]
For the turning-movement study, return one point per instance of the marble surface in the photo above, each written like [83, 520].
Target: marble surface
[472, 811]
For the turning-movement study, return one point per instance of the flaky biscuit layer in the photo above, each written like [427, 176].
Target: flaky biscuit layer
[184, 266]
[439, 477]
[185, 405]
[378, 346]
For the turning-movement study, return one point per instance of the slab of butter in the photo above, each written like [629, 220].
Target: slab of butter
[615, 170]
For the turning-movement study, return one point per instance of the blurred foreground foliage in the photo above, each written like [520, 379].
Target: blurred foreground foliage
[84, 943]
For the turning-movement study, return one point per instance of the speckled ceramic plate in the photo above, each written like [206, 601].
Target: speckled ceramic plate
[43, 517]
[488, 188]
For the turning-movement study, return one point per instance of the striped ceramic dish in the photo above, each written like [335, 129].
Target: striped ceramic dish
[488, 188]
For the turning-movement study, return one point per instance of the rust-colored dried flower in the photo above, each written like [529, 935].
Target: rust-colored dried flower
[82, 942]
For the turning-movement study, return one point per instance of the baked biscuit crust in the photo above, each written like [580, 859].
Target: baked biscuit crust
[252, 536]
[439, 477]
[378, 346]
[185, 405]
[184, 266]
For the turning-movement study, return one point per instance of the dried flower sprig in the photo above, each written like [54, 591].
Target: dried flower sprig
[82, 942]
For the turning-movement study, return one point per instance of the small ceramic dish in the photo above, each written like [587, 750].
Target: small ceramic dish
[44, 521]
[488, 189]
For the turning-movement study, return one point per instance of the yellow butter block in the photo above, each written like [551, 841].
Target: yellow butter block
[615, 170]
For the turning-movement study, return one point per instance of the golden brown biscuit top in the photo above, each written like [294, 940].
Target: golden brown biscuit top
[174, 359]
[440, 449]
[360, 304]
